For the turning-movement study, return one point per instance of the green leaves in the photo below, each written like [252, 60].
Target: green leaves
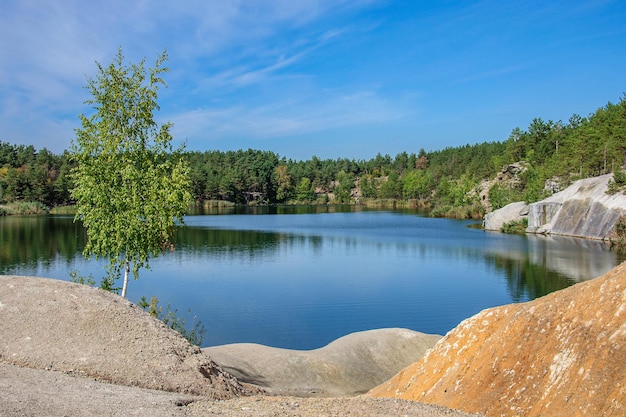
[130, 186]
[417, 184]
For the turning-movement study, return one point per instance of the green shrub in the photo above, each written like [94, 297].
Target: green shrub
[501, 194]
[617, 183]
[617, 237]
[79, 279]
[517, 227]
[383, 203]
[68, 210]
[440, 210]
[194, 335]
[471, 211]
[106, 284]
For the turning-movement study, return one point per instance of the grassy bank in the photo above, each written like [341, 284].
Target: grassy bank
[69, 210]
[23, 208]
[470, 212]
[393, 203]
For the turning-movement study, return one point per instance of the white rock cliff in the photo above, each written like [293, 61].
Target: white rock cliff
[583, 209]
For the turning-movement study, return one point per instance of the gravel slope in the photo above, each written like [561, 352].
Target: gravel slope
[30, 392]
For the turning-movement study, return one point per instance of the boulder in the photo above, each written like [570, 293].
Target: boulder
[511, 212]
[350, 365]
[560, 355]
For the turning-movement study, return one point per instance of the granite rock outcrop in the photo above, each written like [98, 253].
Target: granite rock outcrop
[560, 355]
[511, 212]
[350, 365]
[584, 209]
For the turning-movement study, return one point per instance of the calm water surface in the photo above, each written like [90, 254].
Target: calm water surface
[301, 279]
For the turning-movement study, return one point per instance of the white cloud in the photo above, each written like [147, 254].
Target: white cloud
[288, 117]
[61, 40]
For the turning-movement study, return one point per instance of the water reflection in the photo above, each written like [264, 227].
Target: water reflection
[578, 259]
[30, 240]
[304, 279]
[535, 265]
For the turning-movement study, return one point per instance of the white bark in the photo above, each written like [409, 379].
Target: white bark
[126, 272]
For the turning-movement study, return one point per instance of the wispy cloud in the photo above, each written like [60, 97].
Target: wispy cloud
[285, 117]
[258, 74]
[47, 49]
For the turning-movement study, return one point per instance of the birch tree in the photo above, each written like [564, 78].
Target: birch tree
[131, 187]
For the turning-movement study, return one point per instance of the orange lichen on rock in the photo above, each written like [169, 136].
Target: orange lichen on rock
[560, 355]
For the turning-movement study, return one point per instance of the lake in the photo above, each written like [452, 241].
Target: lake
[300, 277]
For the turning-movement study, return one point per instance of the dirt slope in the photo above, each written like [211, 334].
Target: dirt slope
[560, 355]
[61, 326]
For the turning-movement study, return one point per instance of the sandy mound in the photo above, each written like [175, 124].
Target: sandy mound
[61, 326]
[350, 365]
[560, 355]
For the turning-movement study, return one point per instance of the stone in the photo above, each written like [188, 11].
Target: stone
[542, 214]
[583, 209]
[350, 365]
[511, 212]
[560, 355]
[515, 168]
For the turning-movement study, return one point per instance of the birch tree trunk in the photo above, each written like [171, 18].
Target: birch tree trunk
[126, 272]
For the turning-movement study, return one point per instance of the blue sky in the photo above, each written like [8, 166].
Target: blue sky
[330, 78]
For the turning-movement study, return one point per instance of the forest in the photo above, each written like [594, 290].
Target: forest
[444, 180]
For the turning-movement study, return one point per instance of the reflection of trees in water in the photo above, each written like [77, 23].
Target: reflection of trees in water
[532, 269]
[278, 209]
[203, 242]
[28, 240]
[526, 280]
[38, 240]
[218, 243]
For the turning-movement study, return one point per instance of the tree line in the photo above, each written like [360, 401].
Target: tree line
[560, 152]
